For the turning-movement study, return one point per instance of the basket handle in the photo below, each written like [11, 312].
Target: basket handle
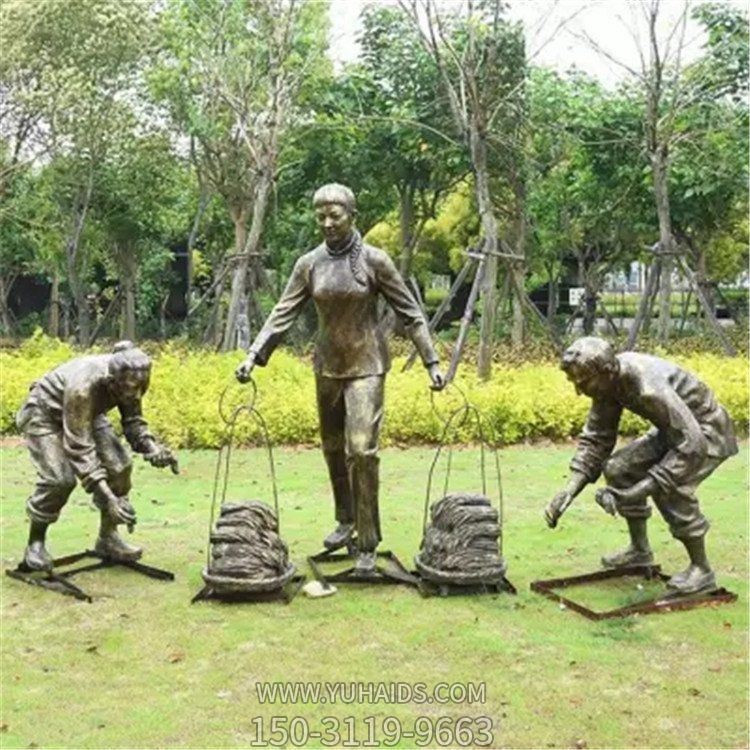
[451, 424]
[225, 453]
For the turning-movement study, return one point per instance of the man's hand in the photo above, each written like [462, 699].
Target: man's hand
[119, 509]
[160, 455]
[607, 498]
[242, 373]
[437, 378]
[556, 507]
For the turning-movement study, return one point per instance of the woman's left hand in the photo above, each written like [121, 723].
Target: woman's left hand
[438, 381]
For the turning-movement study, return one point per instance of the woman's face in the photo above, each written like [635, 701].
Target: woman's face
[334, 221]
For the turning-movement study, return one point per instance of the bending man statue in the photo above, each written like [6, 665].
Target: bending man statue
[692, 434]
[344, 277]
[69, 437]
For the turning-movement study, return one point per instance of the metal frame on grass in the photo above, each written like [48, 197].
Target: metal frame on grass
[59, 582]
[668, 603]
[393, 573]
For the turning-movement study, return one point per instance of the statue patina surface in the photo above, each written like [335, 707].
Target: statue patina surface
[69, 438]
[692, 434]
[344, 277]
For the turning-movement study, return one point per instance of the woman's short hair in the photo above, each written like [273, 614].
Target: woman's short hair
[336, 193]
[127, 356]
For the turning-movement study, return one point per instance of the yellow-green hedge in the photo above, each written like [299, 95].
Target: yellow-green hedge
[520, 403]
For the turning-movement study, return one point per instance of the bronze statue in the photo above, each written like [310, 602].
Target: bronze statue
[344, 276]
[69, 437]
[692, 435]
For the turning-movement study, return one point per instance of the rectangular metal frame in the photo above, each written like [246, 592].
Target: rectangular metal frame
[649, 572]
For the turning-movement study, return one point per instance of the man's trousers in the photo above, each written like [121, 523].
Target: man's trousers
[351, 412]
[55, 476]
[679, 507]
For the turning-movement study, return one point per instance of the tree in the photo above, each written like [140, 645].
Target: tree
[68, 70]
[480, 58]
[709, 170]
[16, 247]
[136, 209]
[587, 199]
[670, 90]
[231, 75]
[405, 125]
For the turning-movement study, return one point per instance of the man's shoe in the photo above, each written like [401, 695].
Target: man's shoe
[627, 558]
[692, 580]
[340, 536]
[365, 564]
[113, 547]
[36, 557]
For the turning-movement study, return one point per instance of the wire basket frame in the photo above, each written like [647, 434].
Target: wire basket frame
[452, 423]
[225, 454]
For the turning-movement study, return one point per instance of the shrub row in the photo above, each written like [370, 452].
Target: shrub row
[520, 403]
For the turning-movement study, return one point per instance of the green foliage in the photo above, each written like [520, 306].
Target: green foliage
[385, 236]
[441, 247]
[526, 402]
[433, 297]
[724, 69]
[453, 230]
[21, 366]
[69, 61]
[587, 198]
[118, 95]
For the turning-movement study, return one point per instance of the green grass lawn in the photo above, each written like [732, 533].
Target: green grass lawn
[142, 667]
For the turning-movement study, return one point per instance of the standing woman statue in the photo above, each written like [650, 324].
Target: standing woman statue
[344, 277]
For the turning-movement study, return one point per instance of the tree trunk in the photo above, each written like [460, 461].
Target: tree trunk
[665, 300]
[518, 266]
[553, 296]
[105, 317]
[649, 298]
[128, 271]
[660, 168]
[6, 320]
[66, 321]
[257, 281]
[517, 304]
[489, 231]
[163, 317]
[644, 306]
[80, 298]
[406, 229]
[701, 277]
[239, 274]
[54, 307]
[212, 334]
[78, 285]
[589, 309]
[192, 237]
[247, 250]
[128, 310]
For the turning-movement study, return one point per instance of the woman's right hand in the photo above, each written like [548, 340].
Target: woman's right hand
[242, 373]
